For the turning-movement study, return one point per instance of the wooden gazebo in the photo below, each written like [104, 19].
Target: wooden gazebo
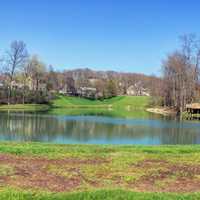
[193, 108]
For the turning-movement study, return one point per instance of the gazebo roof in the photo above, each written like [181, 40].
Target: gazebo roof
[193, 106]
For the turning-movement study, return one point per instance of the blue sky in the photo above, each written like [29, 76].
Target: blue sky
[121, 35]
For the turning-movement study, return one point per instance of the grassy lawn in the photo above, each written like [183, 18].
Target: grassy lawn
[121, 106]
[120, 101]
[45, 171]
[137, 102]
[10, 194]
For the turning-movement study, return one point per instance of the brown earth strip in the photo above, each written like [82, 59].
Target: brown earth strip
[30, 172]
[168, 177]
[58, 175]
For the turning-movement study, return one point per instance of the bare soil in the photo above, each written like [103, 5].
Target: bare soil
[169, 177]
[30, 172]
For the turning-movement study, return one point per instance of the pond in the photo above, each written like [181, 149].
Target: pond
[151, 130]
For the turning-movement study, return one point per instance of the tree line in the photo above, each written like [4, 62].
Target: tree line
[180, 69]
[21, 74]
[25, 78]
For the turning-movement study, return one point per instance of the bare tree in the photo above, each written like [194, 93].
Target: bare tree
[14, 59]
[181, 74]
[52, 79]
[25, 74]
[37, 70]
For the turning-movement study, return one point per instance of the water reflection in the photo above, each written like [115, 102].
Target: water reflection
[96, 130]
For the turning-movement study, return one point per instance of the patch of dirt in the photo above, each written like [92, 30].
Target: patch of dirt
[168, 177]
[32, 172]
[150, 162]
[166, 111]
[59, 175]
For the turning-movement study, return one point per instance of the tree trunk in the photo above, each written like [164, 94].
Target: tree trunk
[9, 95]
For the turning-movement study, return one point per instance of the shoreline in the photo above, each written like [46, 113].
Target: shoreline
[165, 111]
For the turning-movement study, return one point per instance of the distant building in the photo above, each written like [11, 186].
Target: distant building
[42, 87]
[16, 85]
[136, 90]
[2, 81]
[33, 85]
[1, 85]
[93, 81]
[64, 90]
[88, 92]
[131, 91]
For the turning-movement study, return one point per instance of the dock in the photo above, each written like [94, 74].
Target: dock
[193, 109]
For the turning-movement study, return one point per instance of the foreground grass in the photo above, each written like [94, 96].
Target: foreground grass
[46, 171]
[10, 194]
[60, 150]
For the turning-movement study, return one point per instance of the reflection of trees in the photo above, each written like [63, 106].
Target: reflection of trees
[36, 127]
[180, 135]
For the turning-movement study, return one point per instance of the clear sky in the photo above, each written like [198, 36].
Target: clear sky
[121, 35]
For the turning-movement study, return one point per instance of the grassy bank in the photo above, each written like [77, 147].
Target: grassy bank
[120, 101]
[44, 171]
[136, 102]
[25, 107]
[121, 106]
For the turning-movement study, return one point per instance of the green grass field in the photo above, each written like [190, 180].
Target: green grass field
[46, 171]
[120, 101]
[121, 106]
[137, 102]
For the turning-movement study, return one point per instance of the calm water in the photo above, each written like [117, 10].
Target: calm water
[96, 129]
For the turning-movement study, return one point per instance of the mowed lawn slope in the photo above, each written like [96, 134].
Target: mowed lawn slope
[120, 106]
[119, 101]
[76, 105]
[45, 171]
